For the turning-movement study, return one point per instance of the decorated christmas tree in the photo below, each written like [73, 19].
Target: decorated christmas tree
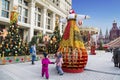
[55, 40]
[56, 34]
[12, 43]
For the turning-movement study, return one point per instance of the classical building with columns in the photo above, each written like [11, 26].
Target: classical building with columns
[35, 16]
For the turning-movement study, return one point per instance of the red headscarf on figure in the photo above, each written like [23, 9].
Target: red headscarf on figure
[66, 34]
[71, 11]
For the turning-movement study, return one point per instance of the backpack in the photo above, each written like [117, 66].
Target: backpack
[31, 50]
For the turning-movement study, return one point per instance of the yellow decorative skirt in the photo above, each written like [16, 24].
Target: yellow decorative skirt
[73, 50]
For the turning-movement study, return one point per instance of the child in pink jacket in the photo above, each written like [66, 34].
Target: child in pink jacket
[45, 63]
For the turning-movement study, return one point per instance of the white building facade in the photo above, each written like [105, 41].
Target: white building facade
[35, 15]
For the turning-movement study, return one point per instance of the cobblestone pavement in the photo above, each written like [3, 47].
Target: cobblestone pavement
[99, 67]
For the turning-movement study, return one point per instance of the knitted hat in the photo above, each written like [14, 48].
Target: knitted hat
[45, 54]
[60, 55]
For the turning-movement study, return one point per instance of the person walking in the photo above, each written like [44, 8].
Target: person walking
[45, 62]
[59, 61]
[118, 56]
[33, 53]
[115, 57]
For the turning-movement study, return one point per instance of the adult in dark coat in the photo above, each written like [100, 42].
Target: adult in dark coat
[118, 54]
[115, 56]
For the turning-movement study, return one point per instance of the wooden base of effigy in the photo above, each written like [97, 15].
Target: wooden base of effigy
[74, 63]
[75, 59]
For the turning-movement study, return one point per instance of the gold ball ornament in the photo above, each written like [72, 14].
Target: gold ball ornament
[9, 54]
[16, 54]
[3, 52]
[13, 26]
[6, 45]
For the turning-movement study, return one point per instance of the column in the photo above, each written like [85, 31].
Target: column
[32, 19]
[44, 20]
[0, 7]
[60, 25]
[53, 21]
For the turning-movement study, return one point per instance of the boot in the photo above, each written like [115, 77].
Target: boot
[116, 65]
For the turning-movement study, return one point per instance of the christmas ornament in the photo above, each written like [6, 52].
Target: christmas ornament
[3, 61]
[7, 58]
[28, 58]
[9, 54]
[4, 33]
[17, 59]
[15, 51]
[14, 16]
[19, 49]
[13, 26]
[22, 59]
[2, 43]
[10, 61]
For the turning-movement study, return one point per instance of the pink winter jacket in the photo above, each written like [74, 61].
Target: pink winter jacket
[59, 62]
[45, 62]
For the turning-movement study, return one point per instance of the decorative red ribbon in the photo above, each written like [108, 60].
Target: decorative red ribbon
[67, 31]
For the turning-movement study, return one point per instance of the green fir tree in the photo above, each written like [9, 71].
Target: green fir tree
[13, 44]
[54, 41]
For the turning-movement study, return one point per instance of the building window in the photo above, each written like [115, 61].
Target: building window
[48, 21]
[1, 30]
[5, 8]
[21, 31]
[23, 11]
[35, 19]
[20, 13]
[39, 19]
[35, 32]
[20, 1]
[57, 4]
[25, 15]
[53, 1]
[38, 16]
[25, 3]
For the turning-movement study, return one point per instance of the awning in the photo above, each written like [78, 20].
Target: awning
[114, 43]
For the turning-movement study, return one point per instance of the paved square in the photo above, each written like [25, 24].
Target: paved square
[99, 67]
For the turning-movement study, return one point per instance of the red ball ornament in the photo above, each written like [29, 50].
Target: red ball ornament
[10, 61]
[22, 59]
[4, 61]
